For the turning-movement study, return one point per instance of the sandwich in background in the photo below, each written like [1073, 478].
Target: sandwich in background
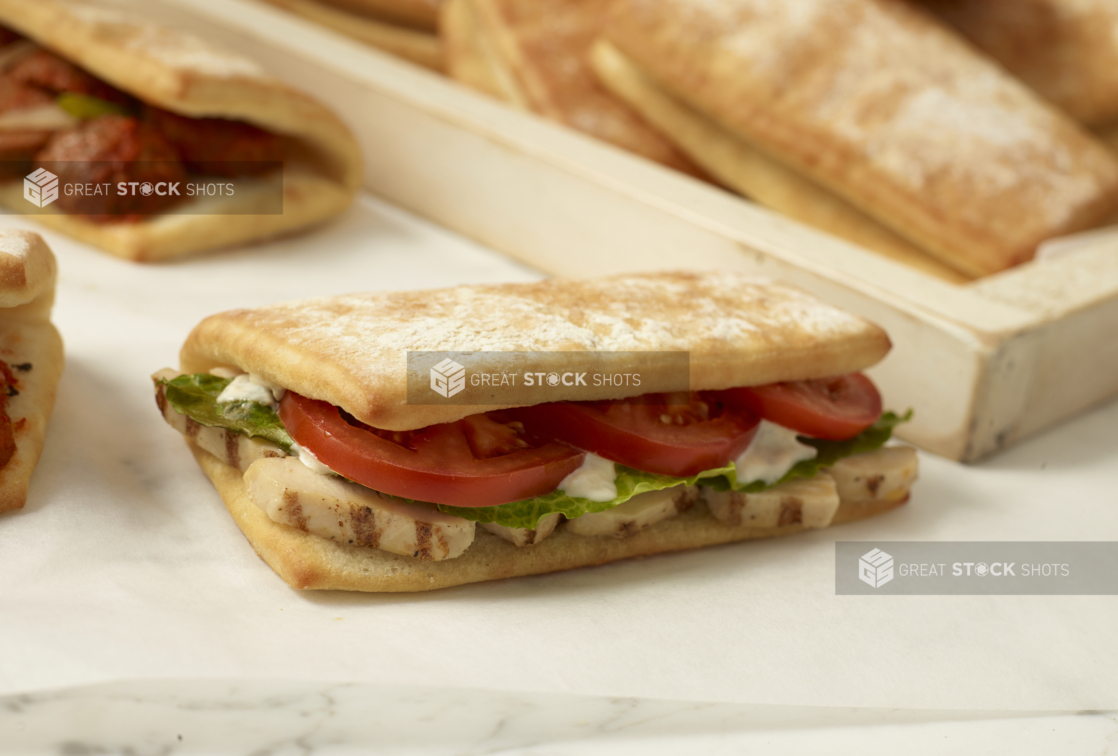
[1066, 50]
[869, 100]
[320, 433]
[30, 359]
[534, 54]
[404, 28]
[95, 97]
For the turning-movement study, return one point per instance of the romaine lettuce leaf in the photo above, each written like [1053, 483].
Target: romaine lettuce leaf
[196, 396]
[630, 482]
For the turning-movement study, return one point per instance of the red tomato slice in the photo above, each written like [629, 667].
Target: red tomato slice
[671, 434]
[481, 461]
[834, 408]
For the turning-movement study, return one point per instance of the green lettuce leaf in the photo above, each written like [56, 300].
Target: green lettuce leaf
[630, 482]
[87, 107]
[196, 396]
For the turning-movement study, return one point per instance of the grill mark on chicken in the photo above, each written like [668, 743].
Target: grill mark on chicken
[529, 537]
[192, 428]
[233, 448]
[161, 399]
[423, 540]
[363, 520]
[294, 509]
[737, 505]
[791, 511]
[686, 498]
[874, 483]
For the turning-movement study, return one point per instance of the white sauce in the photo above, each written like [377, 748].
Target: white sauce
[307, 458]
[595, 479]
[771, 454]
[251, 388]
[246, 387]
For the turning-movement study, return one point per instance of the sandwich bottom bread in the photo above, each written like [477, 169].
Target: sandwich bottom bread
[346, 471]
[30, 359]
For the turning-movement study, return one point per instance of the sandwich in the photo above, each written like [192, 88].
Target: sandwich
[30, 359]
[355, 451]
[872, 101]
[147, 142]
[534, 54]
[404, 28]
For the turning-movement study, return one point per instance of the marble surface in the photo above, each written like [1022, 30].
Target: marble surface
[125, 567]
[288, 719]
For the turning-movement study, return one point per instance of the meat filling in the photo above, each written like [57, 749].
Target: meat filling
[109, 150]
[7, 433]
[217, 146]
[137, 144]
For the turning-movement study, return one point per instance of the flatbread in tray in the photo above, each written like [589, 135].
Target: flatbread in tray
[419, 45]
[173, 70]
[885, 107]
[535, 55]
[31, 350]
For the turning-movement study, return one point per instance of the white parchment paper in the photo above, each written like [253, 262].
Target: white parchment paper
[125, 564]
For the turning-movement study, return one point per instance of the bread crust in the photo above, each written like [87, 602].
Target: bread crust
[470, 57]
[27, 338]
[540, 49]
[310, 562]
[419, 45]
[420, 14]
[179, 72]
[1067, 50]
[735, 163]
[880, 104]
[352, 350]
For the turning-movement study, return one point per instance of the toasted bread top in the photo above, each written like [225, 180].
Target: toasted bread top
[352, 350]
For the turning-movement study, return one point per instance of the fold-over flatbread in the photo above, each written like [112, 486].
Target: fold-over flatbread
[420, 14]
[308, 561]
[173, 70]
[32, 348]
[351, 350]
[419, 45]
[877, 102]
[535, 54]
[735, 163]
[1067, 50]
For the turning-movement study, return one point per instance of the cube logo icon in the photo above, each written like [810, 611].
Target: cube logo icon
[875, 568]
[40, 187]
[448, 378]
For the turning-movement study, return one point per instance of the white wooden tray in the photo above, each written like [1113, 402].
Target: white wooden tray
[982, 364]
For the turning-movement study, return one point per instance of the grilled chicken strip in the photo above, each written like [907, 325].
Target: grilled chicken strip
[638, 513]
[811, 503]
[332, 507]
[232, 448]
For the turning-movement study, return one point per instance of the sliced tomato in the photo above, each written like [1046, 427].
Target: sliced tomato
[481, 461]
[834, 408]
[671, 434]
